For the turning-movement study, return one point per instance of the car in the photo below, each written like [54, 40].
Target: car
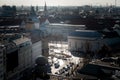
[64, 59]
[66, 69]
[68, 65]
[71, 64]
[56, 73]
[61, 71]
[67, 74]
[63, 67]
[56, 65]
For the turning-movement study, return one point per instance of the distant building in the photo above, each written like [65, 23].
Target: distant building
[29, 26]
[60, 30]
[11, 22]
[32, 11]
[8, 11]
[82, 41]
[33, 20]
[94, 43]
[45, 10]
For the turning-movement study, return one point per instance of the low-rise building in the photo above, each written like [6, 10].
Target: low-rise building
[82, 42]
[60, 31]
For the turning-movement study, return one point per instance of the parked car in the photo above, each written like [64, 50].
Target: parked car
[56, 65]
[56, 73]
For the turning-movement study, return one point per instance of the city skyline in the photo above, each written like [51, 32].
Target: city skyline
[60, 2]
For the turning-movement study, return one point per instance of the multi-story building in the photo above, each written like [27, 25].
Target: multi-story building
[36, 50]
[2, 69]
[15, 50]
[15, 56]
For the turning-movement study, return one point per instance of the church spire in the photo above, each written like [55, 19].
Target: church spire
[45, 7]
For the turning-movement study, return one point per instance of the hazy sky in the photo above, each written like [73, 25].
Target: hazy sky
[59, 2]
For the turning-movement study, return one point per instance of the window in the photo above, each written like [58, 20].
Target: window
[1, 61]
[12, 60]
[1, 57]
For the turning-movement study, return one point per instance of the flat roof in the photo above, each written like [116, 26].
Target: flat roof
[21, 40]
[58, 24]
[86, 34]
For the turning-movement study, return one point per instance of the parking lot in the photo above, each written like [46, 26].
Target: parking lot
[61, 61]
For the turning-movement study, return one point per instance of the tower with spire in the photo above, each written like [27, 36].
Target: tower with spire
[45, 10]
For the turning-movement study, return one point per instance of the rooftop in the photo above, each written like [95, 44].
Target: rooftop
[59, 24]
[86, 34]
[100, 71]
[110, 34]
[21, 40]
[10, 22]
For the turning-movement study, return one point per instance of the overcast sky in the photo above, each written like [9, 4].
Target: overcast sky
[59, 2]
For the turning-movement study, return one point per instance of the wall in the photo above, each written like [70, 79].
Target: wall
[2, 67]
[36, 50]
[81, 44]
[61, 30]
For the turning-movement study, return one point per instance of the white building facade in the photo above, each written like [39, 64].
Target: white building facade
[101, 43]
[82, 41]
[63, 30]
[36, 50]
[25, 52]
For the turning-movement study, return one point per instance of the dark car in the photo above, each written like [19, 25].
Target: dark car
[56, 65]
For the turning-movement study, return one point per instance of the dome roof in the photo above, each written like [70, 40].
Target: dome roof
[41, 60]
